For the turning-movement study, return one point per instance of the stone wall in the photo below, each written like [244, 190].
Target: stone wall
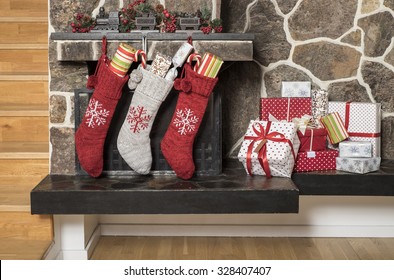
[344, 46]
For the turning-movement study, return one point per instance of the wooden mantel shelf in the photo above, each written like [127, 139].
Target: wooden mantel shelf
[87, 46]
[231, 192]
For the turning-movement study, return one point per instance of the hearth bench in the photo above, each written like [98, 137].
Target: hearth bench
[230, 192]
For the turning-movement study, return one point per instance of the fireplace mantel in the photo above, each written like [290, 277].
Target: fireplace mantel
[87, 46]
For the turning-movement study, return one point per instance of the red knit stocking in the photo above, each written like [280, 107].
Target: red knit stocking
[177, 144]
[91, 134]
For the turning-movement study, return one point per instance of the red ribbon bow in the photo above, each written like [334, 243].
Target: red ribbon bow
[263, 135]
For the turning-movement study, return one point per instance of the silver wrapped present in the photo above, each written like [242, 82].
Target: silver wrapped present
[358, 165]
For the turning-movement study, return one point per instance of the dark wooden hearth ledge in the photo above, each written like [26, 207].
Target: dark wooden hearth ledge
[231, 192]
[380, 183]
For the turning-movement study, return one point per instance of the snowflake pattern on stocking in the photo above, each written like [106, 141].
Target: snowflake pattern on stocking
[96, 114]
[138, 119]
[185, 121]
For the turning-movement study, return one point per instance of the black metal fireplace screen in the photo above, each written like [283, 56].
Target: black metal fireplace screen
[207, 147]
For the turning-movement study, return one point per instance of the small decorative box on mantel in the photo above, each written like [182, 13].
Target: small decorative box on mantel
[148, 22]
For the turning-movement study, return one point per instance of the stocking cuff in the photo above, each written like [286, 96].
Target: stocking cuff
[109, 84]
[154, 86]
[200, 84]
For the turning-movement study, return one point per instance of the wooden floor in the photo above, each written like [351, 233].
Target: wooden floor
[237, 248]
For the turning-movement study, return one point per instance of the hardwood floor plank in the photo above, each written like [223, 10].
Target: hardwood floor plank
[238, 248]
[24, 226]
[11, 249]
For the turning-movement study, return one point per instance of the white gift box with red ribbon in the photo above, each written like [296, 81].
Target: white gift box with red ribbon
[362, 121]
[269, 148]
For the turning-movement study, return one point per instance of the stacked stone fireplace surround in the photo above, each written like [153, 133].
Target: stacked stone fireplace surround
[345, 47]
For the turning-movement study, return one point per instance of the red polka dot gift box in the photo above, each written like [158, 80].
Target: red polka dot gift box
[285, 109]
[269, 148]
[316, 161]
[362, 121]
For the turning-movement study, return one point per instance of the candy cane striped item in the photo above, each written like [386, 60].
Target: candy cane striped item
[196, 57]
[335, 128]
[210, 65]
[122, 60]
[142, 54]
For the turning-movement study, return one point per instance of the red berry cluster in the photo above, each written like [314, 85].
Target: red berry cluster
[136, 3]
[218, 29]
[82, 23]
[169, 21]
[206, 29]
[209, 26]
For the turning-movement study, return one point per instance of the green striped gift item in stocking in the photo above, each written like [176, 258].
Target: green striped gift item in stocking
[122, 60]
[335, 128]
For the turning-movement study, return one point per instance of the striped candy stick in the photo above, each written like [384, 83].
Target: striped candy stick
[142, 55]
[197, 58]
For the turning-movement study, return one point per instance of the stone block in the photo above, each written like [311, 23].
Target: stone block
[328, 61]
[63, 150]
[57, 108]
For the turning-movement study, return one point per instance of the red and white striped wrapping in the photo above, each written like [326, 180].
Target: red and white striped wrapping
[335, 128]
[269, 148]
[316, 161]
[122, 60]
[282, 108]
[362, 121]
[210, 65]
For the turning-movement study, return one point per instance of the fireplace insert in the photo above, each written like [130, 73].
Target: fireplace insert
[207, 152]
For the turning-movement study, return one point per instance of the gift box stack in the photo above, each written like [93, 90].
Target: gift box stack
[302, 131]
[359, 152]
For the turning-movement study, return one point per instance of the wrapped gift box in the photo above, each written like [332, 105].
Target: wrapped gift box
[316, 161]
[296, 89]
[362, 121]
[210, 65]
[319, 105]
[314, 139]
[282, 108]
[269, 148]
[335, 128]
[355, 149]
[358, 165]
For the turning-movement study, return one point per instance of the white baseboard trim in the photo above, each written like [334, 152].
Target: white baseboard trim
[247, 230]
[94, 239]
[53, 252]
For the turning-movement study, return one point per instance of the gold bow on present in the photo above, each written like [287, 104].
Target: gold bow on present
[303, 123]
